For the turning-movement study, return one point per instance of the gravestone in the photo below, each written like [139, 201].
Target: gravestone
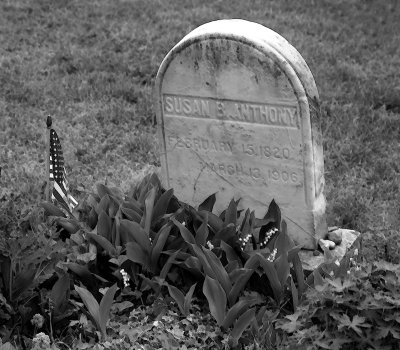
[238, 114]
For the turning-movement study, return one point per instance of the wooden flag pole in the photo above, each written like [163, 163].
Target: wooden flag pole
[48, 123]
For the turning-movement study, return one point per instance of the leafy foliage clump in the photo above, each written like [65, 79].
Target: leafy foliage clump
[145, 270]
[361, 311]
[162, 247]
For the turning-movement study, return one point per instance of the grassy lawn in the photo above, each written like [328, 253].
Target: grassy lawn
[92, 64]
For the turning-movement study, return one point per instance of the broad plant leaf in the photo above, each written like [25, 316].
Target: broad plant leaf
[299, 272]
[208, 203]
[226, 233]
[144, 190]
[219, 270]
[204, 262]
[230, 253]
[193, 265]
[84, 274]
[213, 220]
[113, 228]
[178, 296]
[168, 264]
[117, 225]
[131, 214]
[282, 268]
[22, 282]
[216, 298]
[236, 310]
[231, 213]
[295, 295]
[182, 300]
[185, 233]
[261, 222]
[69, 225]
[92, 218]
[132, 231]
[105, 306]
[113, 206]
[100, 313]
[104, 225]
[154, 283]
[103, 204]
[5, 273]
[241, 324]
[80, 270]
[134, 205]
[60, 293]
[51, 210]
[272, 276]
[188, 299]
[102, 242]
[283, 242]
[91, 304]
[149, 205]
[253, 262]
[102, 190]
[93, 200]
[159, 243]
[274, 214]
[202, 234]
[239, 284]
[232, 267]
[161, 206]
[137, 254]
[245, 226]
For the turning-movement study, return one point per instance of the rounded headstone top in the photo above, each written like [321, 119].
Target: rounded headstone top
[256, 35]
[238, 115]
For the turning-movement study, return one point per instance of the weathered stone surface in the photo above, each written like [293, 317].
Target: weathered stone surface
[238, 114]
[350, 243]
[335, 236]
[326, 244]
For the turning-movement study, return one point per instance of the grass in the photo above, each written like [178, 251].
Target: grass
[92, 65]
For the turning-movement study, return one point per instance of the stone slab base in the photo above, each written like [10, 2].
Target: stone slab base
[350, 242]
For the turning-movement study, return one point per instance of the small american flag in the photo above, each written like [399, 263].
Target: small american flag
[58, 175]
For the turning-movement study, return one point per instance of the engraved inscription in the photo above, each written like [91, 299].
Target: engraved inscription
[204, 144]
[200, 143]
[239, 170]
[266, 151]
[280, 115]
[235, 170]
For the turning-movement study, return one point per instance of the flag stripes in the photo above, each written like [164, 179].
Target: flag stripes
[58, 175]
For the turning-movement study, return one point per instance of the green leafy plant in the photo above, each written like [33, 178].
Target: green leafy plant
[222, 285]
[274, 257]
[148, 240]
[134, 227]
[357, 311]
[27, 261]
[239, 315]
[100, 313]
[143, 250]
[182, 300]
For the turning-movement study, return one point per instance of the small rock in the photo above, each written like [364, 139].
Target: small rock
[326, 244]
[316, 252]
[335, 236]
